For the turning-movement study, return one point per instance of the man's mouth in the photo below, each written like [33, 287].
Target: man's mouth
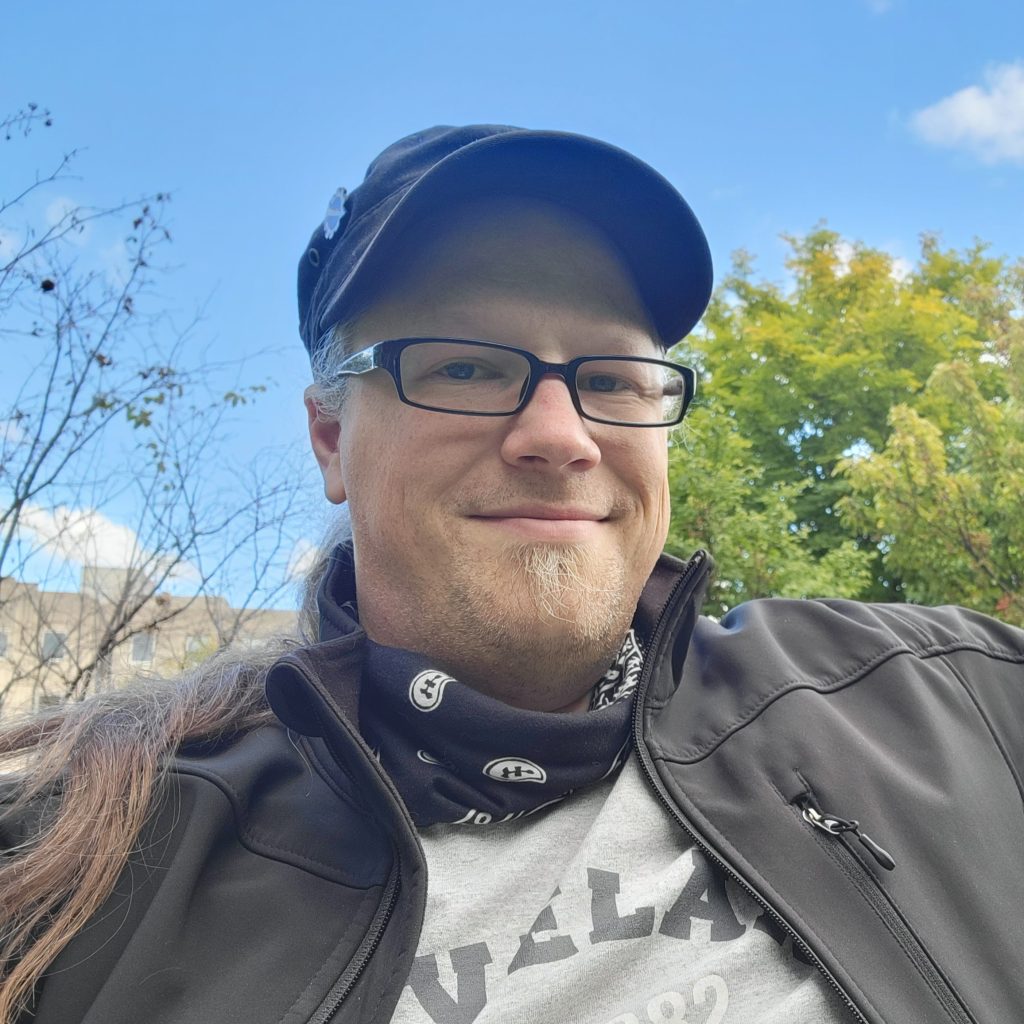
[560, 524]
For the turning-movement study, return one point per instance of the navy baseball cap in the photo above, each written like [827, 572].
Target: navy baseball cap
[642, 214]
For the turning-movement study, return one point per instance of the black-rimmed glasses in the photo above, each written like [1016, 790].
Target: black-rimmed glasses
[481, 378]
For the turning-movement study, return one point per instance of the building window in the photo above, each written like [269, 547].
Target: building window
[54, 646]
[143, 647]
[194, 644]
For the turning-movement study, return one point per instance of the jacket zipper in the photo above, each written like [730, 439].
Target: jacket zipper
[647, 765]
[829, 831]
[340, 990]
[344, 985]
[836, 826]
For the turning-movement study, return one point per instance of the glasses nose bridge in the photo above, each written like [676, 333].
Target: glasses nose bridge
[541, 368]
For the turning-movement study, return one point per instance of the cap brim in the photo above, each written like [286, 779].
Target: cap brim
[641, 212]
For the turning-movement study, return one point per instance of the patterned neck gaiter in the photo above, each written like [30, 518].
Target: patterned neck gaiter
[458, 756]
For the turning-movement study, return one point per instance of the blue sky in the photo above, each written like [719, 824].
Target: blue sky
[884, 117]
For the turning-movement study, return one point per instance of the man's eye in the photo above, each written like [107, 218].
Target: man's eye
[464, 370]
[605, 382]
[458, 371]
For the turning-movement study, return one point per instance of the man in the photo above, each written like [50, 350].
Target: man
[521, 780]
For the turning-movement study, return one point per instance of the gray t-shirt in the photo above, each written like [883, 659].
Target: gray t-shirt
[598, 910]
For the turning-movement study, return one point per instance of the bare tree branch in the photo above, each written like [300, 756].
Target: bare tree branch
[115, 432]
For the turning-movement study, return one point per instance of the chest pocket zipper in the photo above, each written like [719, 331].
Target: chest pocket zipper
[835, 826]
[831, 830]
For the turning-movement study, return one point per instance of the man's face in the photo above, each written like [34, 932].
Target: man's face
[511, 550]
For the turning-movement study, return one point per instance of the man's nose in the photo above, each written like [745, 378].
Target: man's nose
[548, 433]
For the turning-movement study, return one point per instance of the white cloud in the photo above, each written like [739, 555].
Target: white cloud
[10, 243]
[61, 210]
[879, 6]
[116, 263]
[85, 536]
[986, 120]
[10, 431]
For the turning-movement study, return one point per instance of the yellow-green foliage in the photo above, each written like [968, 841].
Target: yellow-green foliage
[861, 434]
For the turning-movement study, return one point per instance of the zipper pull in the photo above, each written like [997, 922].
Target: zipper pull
[835, 826]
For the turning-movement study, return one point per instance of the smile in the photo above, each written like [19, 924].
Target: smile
[553, 525]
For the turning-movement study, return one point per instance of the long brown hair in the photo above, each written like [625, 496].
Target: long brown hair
[92, 771]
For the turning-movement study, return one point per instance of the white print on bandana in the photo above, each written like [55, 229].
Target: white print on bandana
[427, 689]
[428, 758]
[475, 817]
[620, 680]
[514, 769]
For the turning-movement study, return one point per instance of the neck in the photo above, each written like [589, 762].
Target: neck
[543, 679]
[528, 654]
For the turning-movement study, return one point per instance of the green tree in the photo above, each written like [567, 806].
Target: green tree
[795, 385]
[943, 497]
[723, 501]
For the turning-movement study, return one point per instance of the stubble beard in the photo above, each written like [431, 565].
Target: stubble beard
[535, 619]
[561, 581]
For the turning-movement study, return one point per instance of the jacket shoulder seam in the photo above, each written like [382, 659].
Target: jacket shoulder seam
[827, 685]
[249, 838]
[969, 690]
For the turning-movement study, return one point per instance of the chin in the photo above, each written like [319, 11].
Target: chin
[542, 611]
[567, 589]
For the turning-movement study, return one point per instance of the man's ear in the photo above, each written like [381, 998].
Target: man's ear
[325, 438]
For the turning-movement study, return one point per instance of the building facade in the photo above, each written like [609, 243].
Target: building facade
[56, 645]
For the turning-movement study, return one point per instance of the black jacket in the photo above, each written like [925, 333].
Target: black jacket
[282, 880]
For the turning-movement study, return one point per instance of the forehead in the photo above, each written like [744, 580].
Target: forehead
[495, 267]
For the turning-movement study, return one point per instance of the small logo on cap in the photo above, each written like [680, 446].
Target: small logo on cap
[515, 769]
[427, 689]
[335, 213]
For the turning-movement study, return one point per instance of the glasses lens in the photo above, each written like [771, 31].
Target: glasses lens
[630, 390]
[463, 377]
